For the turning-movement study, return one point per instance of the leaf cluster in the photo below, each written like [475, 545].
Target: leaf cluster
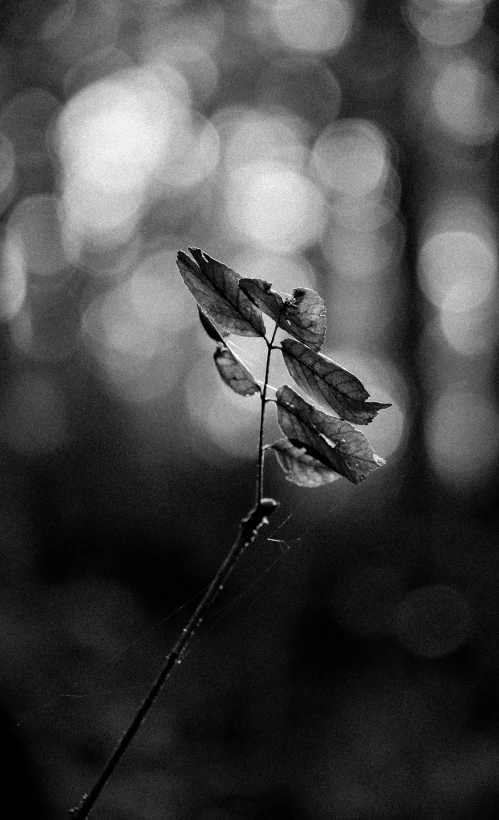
[317, 447]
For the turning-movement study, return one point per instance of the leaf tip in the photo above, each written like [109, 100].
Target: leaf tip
[197, 254]
[268, 504]
[182, 257]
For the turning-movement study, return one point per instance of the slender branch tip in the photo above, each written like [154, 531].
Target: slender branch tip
[269, 504]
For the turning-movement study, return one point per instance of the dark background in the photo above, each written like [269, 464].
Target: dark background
[351, 669]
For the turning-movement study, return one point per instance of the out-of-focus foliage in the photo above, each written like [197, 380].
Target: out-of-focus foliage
[348, 146]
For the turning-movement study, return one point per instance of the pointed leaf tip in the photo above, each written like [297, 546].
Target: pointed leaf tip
[303, 314]
[329, 383]
[216, 290]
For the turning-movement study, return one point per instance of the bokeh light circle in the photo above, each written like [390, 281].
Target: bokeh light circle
[466, 102]
[7, 166]
[433, 621]
[253, 136]
[350, 157]
[36, 225]
[117, 139]
[457, 269]
[321, 26]
[462, 435]
[276, 207]
[13, 280]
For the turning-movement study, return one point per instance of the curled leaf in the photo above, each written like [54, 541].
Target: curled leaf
[216, 290]
[306, 314]
[329, 383]
[210, 328]
[303, 314]
[334, 442]
[234, 373]
[300, 466]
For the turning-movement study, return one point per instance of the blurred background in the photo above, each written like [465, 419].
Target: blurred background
[351, 669]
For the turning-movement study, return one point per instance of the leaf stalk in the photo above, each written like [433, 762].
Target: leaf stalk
[248, 531]
[263, 401]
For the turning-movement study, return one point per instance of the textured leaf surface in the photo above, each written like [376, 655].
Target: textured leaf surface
[300, 466]
[334, 442]
[329, 383]
[262, 295]
[234, 373]
[215, 288]
[210, 328]
[303, 314]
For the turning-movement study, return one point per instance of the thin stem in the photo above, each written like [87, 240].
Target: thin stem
[263, 398]
[248, 530]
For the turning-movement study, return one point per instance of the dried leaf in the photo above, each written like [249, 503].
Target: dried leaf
[234, 373]
[300, 466]
[334, 442]
[216, 290]
[328, 382]
[306, 314]
[303, 314]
